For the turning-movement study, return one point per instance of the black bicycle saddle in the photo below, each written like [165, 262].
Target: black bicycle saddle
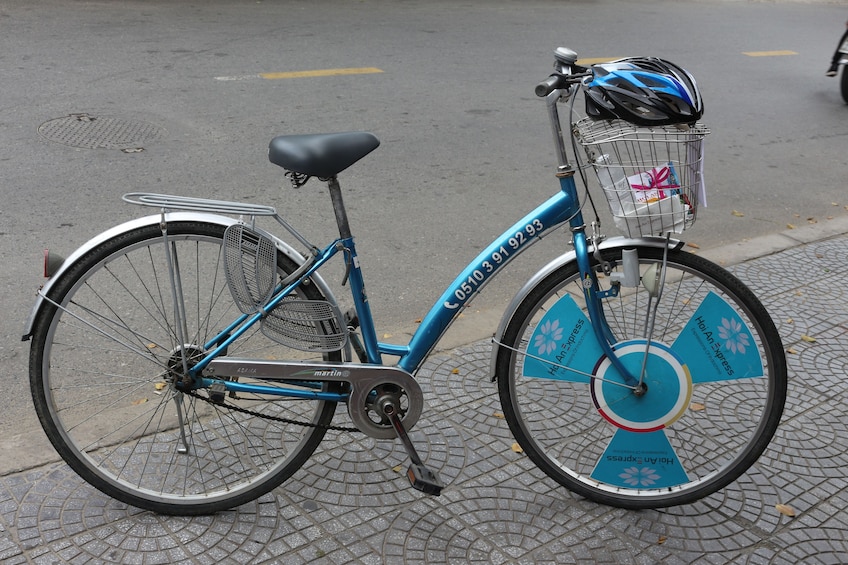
[322, 155]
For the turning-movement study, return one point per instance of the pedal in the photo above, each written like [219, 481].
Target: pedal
[420, 477]
[217, 392]
[423, 479]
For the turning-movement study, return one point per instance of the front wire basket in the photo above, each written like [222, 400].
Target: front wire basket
[652, 177]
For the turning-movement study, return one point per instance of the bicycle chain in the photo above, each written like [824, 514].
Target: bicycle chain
[268, 417]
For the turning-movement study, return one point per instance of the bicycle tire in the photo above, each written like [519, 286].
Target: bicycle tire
[698, 427]
[99, 377]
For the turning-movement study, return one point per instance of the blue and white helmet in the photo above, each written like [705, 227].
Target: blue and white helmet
[646, 91]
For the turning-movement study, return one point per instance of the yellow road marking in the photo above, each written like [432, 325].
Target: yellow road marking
[768, 53]
[321, 73]
[590, 61]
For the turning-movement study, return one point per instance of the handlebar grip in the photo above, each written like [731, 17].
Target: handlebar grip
[550, 84]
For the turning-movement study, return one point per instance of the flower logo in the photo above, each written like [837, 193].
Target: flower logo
[636, 477]
[549, 334]
[736, 340]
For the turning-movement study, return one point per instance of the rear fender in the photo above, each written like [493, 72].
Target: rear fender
[147, 221]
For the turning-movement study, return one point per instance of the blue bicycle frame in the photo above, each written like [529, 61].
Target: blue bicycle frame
[551, 214]
[562, 207]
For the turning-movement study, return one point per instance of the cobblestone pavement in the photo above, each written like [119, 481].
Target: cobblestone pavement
[349, 505]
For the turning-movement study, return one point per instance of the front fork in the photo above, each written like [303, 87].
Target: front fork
[594, 296]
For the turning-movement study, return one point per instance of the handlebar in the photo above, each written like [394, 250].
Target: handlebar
[559, 81]
[553, 82]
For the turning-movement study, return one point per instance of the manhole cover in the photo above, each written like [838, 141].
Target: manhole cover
[96, 132]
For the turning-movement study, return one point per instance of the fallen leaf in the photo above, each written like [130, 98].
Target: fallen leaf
[661, 540]
[397, 468]
[418, 321]
[808, 339]
[791, 351]
[790, 321]
[790, 226]
[834, 204]
[738, 214]
[455, 372]
[160, 386]
[499, 415]
[151, 346]
[387, 336]
[517, 448]
[785, 510]
[139, 401]
[697, 407]
[693, 245]
[812, 221]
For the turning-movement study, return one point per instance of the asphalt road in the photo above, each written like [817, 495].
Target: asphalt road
[465, 143]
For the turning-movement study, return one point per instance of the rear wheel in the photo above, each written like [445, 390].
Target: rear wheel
[105, 370]
[715, 378]
[844, 83]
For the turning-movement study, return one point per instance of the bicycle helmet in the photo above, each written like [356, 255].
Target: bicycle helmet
[646, 91]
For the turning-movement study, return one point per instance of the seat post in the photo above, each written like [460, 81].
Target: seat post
[339, 207]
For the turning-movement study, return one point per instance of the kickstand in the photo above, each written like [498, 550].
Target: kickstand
[420, 477]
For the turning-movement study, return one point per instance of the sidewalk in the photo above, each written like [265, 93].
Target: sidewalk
[348, 505]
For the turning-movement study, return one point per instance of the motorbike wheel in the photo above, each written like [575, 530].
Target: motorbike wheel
[844, 83]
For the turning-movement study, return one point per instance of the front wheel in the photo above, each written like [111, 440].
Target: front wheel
[844, 83]
[714, 382]
[106, 367]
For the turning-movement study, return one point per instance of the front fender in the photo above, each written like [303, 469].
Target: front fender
[146, 221]
[612, 243]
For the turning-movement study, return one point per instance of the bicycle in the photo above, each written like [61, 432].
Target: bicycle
[189, 361]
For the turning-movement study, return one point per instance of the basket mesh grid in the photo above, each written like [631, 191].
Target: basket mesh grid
[250, 264]
[307, 325]
[652, 177]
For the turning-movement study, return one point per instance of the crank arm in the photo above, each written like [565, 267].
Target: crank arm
[420, 477]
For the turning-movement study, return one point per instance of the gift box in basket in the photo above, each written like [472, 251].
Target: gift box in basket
[652, 177]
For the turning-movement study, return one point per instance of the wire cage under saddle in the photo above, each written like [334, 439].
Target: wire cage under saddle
[307, 325]
[250, 265]
[652, 177]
